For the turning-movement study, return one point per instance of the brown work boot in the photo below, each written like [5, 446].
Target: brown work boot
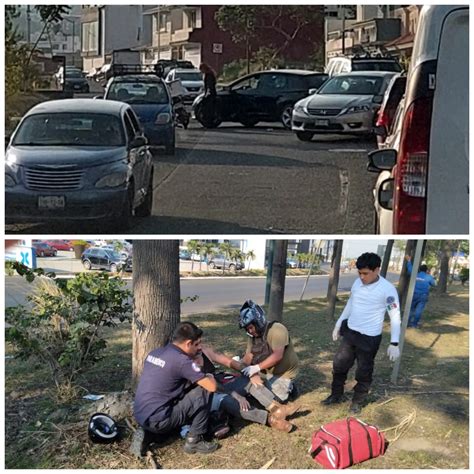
[279, 424]
[283, 411]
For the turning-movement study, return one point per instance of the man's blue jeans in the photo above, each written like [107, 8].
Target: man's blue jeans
[417, 306]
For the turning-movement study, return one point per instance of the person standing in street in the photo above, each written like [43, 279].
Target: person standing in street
[424, 282]
[210, 80]
[361, 325]
[174, 391]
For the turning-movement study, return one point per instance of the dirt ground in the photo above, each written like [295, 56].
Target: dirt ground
[425, 416]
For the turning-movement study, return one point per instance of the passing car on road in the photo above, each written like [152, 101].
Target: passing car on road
[267, 96]
[344, 104]
[191, 79]
[75, 81]
[424, 177]
[345, 64]
[149, 97]
[44, 250]
[105, 259]
[63, 245]
[78, 159]
[219, 261]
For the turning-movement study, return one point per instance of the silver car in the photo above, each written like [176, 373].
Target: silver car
[344, 104]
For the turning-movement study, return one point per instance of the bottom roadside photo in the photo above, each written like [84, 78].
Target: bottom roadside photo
[236, 353]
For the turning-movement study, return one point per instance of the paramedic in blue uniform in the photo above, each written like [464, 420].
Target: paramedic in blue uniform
[173, 391]
[360, 326]
[424, 281]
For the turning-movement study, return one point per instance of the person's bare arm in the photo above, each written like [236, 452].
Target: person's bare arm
[222, 359]
[273, 359]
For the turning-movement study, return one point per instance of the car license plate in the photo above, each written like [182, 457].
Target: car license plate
[322, 123]
[76, 86]
[51, 202]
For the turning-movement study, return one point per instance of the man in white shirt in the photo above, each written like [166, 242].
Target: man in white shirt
[360, 326]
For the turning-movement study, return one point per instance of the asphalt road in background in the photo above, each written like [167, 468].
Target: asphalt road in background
[235, 180]
[217, 294]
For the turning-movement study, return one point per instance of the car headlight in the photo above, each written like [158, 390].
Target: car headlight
[163, 118]
[357, 108]
[298, 108]
[111, 180]
[9, 181]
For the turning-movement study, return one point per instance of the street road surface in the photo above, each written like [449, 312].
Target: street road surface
[217, 294]
[235, 180]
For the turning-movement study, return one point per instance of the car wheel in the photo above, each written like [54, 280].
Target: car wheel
[125, 220]
[285, 116]
[249, 123]
[144, 209]
[87, 264]
[305, 136]
[232, 267]
[113, 268]
[212, 265]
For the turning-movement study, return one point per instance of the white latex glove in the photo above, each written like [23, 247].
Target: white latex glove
[335, 332]
[393, 352]
[251, 370]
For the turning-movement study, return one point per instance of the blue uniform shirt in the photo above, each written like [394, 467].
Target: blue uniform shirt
[166, 373]
[423, 281]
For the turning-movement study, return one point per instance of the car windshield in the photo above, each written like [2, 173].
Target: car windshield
[138, 92]
[189, 76]
[114, 255]
[315, 82]
[352, 85]
[391, 66]
[70, 129]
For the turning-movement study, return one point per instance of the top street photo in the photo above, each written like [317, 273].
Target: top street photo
[237, 119]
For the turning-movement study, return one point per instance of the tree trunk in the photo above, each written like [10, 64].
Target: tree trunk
[277, 288]
[444, 267]
[386, 258]
[334, 277]
[156, 290]
[404, 277]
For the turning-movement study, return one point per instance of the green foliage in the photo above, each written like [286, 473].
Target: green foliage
[52, 13]
[61, 328]
[464, 274]
[238, 20]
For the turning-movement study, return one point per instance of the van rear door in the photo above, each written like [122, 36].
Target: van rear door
[448, 170]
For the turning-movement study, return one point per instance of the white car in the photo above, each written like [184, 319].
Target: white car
[191, 80]
[427, 191]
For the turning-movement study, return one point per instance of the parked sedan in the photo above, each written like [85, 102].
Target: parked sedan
[61, 245]
[75, 81]
[263, 96]
[344, 104]
[78, 159]
[220, 262]
[105, 259]
[44, 250]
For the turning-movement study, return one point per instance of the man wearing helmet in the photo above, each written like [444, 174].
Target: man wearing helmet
[270, 353]
[173, 390]
[360, 326]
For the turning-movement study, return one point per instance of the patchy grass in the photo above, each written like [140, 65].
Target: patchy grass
[433, 386]
[247, 273]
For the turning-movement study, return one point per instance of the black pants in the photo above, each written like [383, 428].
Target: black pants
[354, 347]
[192, 409]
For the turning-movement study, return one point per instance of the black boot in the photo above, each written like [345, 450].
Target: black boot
[332, 399]
[196, 444]
[140, 441]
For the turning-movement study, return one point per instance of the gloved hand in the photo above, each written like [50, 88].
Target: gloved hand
[393, 352]
[251, 370]
[335, 332]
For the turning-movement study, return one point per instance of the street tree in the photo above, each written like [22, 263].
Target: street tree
[226, 249]
[334, 277]
[207, 252]
[250, 257]
[404, 279]
[156, 291]
[386, 258]
[446, 254]
[193, 247]
[277, 287]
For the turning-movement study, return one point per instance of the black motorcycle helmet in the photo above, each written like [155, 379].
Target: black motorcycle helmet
[102, 429]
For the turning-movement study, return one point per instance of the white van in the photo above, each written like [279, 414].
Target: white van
[430, 167]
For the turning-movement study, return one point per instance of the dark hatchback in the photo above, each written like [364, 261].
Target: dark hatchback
[105, 259]
[75, 81]
[263, 96]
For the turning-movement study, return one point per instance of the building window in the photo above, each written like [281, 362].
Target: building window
[90, 37]
[192, 19]
[163, 21]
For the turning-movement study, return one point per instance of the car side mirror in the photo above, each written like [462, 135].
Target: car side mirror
[377, 99]
[385, 195]
[382, 160]
[312, 91]
[138, 141]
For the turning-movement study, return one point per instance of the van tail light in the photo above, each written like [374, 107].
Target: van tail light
[382, 119]
[411, 171]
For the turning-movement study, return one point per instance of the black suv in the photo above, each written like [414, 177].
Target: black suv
[105, 259]
[263, 96]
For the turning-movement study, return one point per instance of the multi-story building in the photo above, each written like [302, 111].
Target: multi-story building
[191, 33]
